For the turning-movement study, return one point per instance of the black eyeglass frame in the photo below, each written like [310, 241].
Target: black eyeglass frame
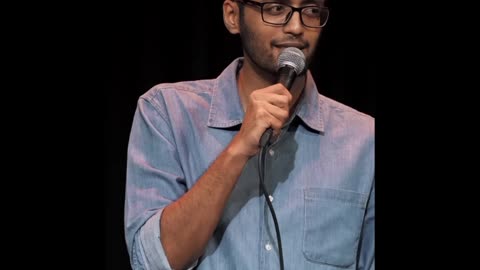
[299, 10]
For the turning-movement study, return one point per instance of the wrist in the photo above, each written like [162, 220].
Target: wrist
[236, 152]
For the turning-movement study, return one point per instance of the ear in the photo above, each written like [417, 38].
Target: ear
[231, 16]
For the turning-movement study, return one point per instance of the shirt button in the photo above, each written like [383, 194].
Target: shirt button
[268, 247]
[270, 197]
[271, 152]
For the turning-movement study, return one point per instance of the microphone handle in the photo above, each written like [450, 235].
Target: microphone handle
[286, 77]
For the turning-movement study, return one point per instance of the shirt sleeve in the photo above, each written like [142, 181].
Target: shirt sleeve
[154, 255]
[154, 180]
[367, 240]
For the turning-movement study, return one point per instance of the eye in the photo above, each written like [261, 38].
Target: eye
[312, 11]
[275, 9]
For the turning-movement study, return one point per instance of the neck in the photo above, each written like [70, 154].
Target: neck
[250, 79]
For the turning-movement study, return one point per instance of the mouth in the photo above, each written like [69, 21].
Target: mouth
[297, 45]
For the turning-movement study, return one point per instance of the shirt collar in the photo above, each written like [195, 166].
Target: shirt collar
[226, 108]
[311, 106]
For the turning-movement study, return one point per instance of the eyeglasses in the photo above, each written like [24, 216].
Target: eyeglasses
[279, 14]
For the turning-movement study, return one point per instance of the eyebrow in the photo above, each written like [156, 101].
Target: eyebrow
[304, 2]
[318, 2]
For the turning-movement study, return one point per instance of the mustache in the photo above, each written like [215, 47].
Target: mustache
[291, 42]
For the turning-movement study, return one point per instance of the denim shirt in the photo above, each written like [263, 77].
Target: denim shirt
[319, 173]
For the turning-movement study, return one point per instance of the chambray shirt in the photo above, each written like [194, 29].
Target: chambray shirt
[319, 173]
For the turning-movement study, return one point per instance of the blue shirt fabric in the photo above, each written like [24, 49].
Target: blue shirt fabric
[319, 172]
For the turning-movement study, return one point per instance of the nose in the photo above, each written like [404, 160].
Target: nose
[294, 24]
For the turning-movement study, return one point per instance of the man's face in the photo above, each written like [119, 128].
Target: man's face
[263, 43]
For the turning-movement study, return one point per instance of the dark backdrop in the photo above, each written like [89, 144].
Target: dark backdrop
[150, 43]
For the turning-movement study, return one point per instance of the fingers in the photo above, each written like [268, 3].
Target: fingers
[276, 88]
[276, 95]
[266, 108]
[279, 100]
[270, 106]
[273, 116]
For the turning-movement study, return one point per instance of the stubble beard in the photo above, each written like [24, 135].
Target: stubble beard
[261, 57]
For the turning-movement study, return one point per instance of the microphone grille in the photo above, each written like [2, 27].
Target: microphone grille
[292, 57]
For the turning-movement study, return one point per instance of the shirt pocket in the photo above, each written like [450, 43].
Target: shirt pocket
[333, 222]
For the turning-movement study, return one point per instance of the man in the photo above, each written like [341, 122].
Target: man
[193, 197]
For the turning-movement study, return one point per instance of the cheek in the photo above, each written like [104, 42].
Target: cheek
[313, 37]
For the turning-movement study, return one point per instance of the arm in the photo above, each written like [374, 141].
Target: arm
[188, 223]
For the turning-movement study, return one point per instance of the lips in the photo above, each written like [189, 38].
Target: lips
[300, 46]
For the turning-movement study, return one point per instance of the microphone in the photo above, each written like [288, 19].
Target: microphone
[291, 62]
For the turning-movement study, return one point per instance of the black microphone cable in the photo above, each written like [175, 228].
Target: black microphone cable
[291, 62]
[261, 175]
